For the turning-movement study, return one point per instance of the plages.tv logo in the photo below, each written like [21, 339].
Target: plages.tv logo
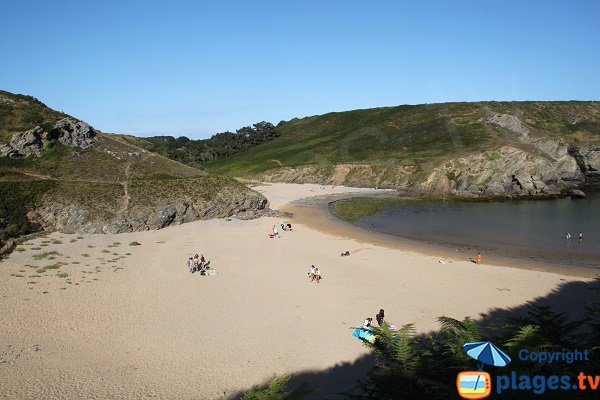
[478, 384]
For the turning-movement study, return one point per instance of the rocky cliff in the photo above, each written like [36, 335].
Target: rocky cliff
[56, 212]
[62, 174]
[523, 164]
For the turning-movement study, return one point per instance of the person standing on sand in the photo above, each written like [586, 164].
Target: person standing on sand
[478, 258]
[380, 316]
[311, 274]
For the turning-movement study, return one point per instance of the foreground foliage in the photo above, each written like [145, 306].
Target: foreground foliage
[416, 367]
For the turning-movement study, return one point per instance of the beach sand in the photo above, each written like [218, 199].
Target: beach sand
[140, 325]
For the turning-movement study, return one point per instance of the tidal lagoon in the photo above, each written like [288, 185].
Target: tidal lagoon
[521, 229]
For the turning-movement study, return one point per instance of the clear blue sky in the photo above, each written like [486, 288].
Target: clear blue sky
[200, 67]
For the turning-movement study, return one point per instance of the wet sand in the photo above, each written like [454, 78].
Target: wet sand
[315, 212]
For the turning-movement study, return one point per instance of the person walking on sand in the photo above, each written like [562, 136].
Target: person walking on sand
[478, 258]
[311, 274]
[380, 316]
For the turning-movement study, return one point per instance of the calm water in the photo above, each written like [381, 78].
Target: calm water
[523, 229]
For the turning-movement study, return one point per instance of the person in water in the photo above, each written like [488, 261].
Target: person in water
[380, 316]
[580, 236]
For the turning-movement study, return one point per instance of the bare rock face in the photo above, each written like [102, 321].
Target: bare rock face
[510, 122]
[74, 133]
[67, 131]
[77, 218]
[25, 144]
[588, 161]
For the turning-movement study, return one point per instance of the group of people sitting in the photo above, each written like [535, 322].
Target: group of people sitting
[285, 226]
[379, 317]
[314, 274]
[198, 263]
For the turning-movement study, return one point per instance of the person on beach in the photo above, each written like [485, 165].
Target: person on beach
[380, 316]
[190, 264]
[367, 323]
[274, 233]
[345, 253]
[311, 274]
[580, 236]
[317, 275]
[478, 258]
[196, 261]
[568, 236]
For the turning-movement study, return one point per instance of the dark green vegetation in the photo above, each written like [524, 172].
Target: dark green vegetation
[355, 208]
[275, 389]
[414, 137]
[219, 146]
[415, 367]
[19, 197]
[19, 113]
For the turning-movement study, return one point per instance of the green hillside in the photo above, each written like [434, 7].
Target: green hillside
[417, 137]
[19, 113]
[113, 186]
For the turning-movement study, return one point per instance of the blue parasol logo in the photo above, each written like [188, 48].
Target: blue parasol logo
[486, 353]
[477, 384]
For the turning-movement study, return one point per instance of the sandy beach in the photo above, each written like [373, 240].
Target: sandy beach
[116, 320]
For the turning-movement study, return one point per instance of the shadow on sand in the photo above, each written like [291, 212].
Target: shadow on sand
[570, 298]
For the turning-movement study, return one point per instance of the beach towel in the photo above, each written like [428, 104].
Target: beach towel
[363, 333]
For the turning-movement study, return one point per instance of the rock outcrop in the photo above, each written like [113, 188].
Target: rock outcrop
[73, 133]
[67, 131]
[76, 218]
[25, 144]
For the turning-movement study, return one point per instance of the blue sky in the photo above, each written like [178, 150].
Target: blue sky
[199, 67]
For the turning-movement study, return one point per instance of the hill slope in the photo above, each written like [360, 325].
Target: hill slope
[485, 148]
[100, 182]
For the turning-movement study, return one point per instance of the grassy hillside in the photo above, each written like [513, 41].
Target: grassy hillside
[19, 113]
[417, 137]
[112, 181]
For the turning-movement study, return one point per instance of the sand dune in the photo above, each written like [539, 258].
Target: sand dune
[140, 325]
